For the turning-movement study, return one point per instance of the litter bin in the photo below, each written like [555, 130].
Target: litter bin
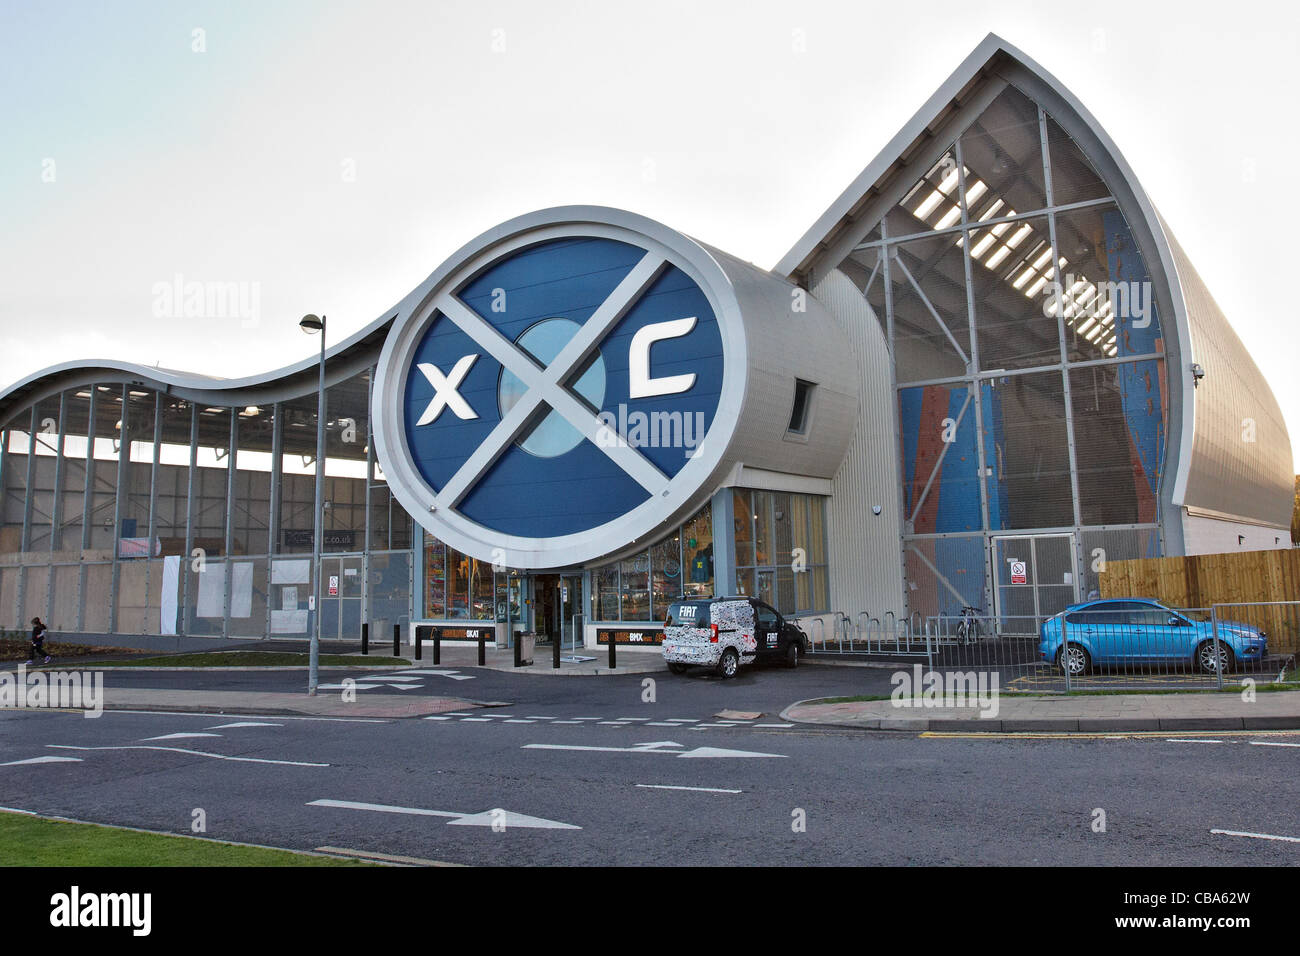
[527, 642]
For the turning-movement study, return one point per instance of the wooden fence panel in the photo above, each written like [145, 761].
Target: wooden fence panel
[1202, 580]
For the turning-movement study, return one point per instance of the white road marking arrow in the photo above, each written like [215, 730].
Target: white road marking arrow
[697, 752]
[454, 675]
[31, 760]
[244, 723]
[484, 819]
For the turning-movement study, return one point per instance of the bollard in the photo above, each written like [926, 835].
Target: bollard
[555, 654]
[519, 651]
[365, 638]
[397, 640]
[419, 643]
[437, 645]
[482, 648]
[613, 654]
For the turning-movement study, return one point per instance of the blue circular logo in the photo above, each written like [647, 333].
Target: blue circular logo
[540, 404]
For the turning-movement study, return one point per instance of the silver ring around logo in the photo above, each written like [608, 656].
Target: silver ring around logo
[535, 392]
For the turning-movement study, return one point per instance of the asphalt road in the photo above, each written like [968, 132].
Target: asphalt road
[764, 688]
[634, 793]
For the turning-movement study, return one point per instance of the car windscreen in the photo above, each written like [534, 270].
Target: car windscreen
[688, 613]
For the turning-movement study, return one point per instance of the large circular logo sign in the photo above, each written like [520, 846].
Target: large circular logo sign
[564, 385]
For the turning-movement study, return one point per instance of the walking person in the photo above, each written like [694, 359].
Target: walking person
[38, 641]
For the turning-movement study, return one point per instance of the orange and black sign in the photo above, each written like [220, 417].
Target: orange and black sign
[648, 637]
[487, 631]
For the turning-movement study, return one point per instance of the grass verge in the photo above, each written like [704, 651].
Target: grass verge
[34, 841]
[20, 648]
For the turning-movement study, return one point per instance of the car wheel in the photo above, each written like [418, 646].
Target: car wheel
[676, 667]
[1075, 658]
[1209, 661]
[792, 655]
[729, 665]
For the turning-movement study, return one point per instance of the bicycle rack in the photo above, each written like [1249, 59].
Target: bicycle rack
[864, 633]
[842, 625]
[821, 631]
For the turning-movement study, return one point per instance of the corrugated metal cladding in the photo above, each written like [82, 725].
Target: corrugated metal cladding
[789, 335]
[1230, 473]
[866, 563]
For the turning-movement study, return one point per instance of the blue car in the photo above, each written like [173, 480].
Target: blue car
[1121, 632]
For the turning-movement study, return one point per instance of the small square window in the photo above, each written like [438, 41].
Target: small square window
[801, 412]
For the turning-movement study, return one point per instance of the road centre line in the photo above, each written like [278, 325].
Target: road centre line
[665, 786]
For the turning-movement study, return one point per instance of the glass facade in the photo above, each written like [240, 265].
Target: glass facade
[1029, 360]
[131, 511]
[781, 549]
[639, 588]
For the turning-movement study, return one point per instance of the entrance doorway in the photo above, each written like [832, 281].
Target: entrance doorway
[557, 608]
[341, 584]
[1034, 577]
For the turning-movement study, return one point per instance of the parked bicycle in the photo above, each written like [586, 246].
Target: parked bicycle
[968, 628]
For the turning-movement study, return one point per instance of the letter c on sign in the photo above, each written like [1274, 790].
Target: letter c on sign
[640, 384]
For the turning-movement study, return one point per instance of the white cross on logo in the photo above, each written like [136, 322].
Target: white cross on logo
[445, 394]
[543, 386]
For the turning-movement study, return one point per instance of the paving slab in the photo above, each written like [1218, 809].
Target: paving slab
[325, 704]
[1065, 714]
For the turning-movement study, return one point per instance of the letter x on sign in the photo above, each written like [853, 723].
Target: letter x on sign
[543, 385]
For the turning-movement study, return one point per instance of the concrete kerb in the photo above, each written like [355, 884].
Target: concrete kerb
[869, 715]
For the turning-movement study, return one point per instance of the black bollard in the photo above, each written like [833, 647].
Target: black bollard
[613, 653]
[555, 654]
[437, 645]
[419, 643]
[482, 648]
[519, 651]
[365, 638]
[397, 640]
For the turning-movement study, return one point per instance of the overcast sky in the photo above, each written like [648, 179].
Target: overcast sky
[330, 155]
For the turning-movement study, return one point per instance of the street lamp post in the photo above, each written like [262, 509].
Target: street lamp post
[312, 324]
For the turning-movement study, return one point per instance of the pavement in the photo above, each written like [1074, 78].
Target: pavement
[1103, 713]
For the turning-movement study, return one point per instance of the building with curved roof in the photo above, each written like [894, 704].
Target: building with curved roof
[986, 370]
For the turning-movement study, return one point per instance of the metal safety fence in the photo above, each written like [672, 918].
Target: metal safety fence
[1119, 645]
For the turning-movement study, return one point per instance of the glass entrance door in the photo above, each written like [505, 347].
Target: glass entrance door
[1035, 576]
[341, 585]
[557, 608]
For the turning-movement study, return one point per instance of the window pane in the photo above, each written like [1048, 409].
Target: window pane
[940, 463]
[666, 571]
[1011, 270]
[745, 582]
[931, 328]
[763, 541]
[607, 592]
[1003, 158]
[635, 575]
[435, 578]
[1119, 430]
[1109, 309]
[1073, 178]
[1027, 452]
[697, 546]
[931, 203]
[744, 527]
